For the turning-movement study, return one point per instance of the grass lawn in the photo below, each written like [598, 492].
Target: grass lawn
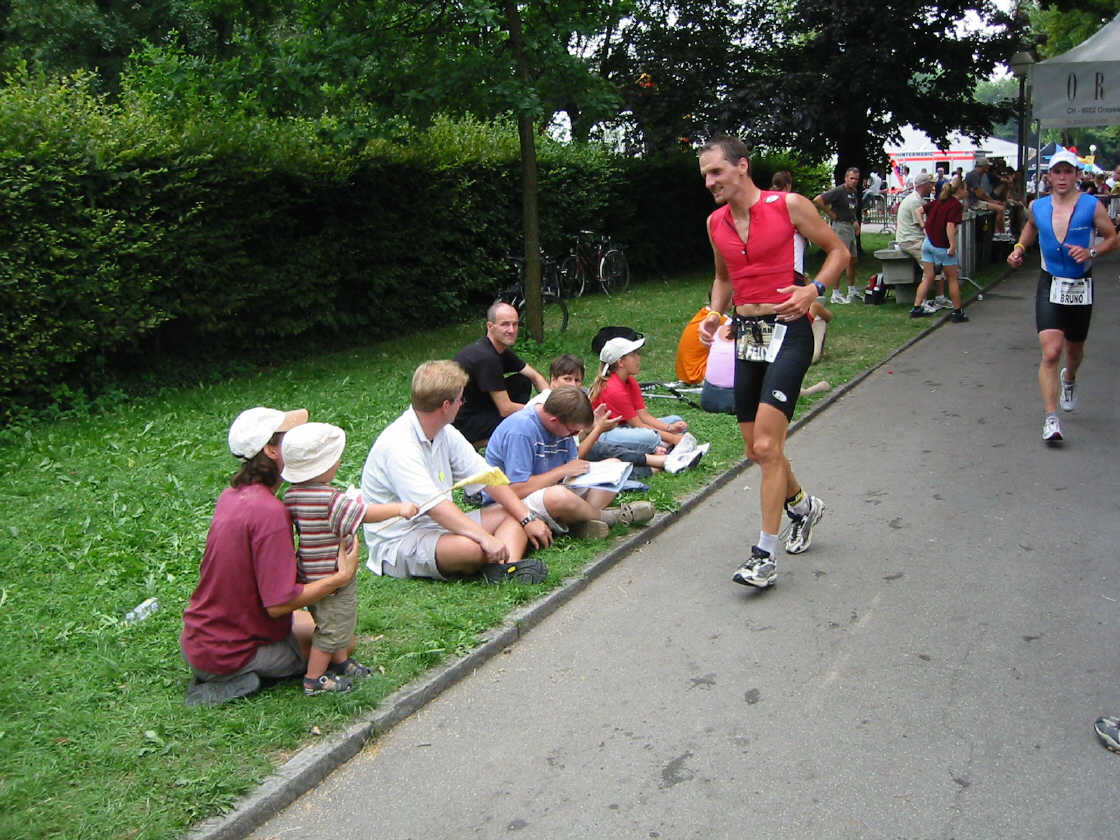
[104, 511]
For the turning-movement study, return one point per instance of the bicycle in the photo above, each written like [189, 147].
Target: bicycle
[602, 259]
[554, 312]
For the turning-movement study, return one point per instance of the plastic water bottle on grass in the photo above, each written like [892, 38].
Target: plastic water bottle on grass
[141, 611]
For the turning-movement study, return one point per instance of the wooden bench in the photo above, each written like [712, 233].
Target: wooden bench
[899, 272]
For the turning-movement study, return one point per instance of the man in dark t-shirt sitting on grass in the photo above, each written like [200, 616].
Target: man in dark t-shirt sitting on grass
[500, 381]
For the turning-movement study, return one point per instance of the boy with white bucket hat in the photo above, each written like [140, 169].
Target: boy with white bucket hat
[324, 517]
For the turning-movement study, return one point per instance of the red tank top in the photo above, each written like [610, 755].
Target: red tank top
[771, 257]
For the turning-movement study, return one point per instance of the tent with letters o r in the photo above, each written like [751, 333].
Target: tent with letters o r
[1080, 87]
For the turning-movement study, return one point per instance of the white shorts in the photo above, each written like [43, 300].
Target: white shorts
[416, 550]
[535, 502]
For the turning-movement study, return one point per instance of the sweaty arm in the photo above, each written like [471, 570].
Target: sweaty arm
[504, 404]
[1027, 237]
[604, 422]
[818, 202]
[501, 399]
[720, 297]
[1104, 229]
[810, 225]
[951, 235]
[554, 476]
[539, 534]
[538, 381]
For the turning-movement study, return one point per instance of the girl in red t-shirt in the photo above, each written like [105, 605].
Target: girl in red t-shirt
[617, 387]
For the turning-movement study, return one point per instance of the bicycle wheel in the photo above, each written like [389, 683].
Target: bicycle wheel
[554, 312]
[614, 272]
[573, 279]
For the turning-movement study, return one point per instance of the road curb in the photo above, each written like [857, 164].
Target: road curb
[314, 763]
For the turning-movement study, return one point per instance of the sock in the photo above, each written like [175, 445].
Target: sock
[799, 504]
[768, 542]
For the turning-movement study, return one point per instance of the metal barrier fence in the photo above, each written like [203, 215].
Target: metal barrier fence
[882, 210]
[974, 243]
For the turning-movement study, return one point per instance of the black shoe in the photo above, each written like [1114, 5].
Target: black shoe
[525, 570]
[957, 316]
[918, 312]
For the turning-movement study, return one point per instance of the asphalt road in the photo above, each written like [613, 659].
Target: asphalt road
[931, 667]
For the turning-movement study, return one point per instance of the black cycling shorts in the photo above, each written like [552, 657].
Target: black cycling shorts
[1073, 321]
[776, 383]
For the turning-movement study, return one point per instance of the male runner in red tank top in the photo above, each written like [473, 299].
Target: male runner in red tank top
[759, 269]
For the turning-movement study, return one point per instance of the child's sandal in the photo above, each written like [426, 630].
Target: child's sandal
[326, 683]
[351, 668]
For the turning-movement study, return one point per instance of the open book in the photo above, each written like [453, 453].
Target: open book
[609, 475]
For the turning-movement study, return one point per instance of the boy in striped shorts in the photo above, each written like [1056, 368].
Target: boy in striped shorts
[324, 516]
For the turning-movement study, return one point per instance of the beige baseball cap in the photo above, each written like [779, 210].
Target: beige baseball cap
[254, 427]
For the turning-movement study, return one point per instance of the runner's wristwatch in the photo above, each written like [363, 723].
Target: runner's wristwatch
[529, 517]
[1092, 253]
[820, 287]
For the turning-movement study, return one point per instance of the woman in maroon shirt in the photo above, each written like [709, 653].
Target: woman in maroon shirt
[943, 217]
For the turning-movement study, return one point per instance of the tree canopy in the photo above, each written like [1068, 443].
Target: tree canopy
[840, 78]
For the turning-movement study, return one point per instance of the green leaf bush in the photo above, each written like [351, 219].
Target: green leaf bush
[134, 234]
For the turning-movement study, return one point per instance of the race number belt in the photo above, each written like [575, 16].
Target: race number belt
[757, 339]
[1071, 291]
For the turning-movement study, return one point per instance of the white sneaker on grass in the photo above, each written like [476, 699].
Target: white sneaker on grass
[687, 443]
[676, 462]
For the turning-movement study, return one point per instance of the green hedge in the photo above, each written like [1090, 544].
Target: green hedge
[127, 238]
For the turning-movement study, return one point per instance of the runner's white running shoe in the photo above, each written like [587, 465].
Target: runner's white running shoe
[800, 535]
[1067, 395]
[758, 570]
[837, 297]
[1051, 429]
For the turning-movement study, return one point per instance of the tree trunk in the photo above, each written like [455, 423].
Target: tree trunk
[530, 217]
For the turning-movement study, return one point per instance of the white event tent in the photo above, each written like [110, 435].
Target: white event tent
[917, 151]
[1080, 87]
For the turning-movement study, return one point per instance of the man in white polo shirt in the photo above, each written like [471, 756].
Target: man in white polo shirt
[911, 233]
[416, 459]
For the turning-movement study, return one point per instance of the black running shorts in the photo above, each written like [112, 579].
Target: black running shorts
[1073, 321]
[776, 383]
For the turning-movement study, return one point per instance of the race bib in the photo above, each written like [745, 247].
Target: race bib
[759, 341]
[1070, 291]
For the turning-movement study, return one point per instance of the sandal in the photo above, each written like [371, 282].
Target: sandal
[328, 682]
[630, 513]
[351, 668]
